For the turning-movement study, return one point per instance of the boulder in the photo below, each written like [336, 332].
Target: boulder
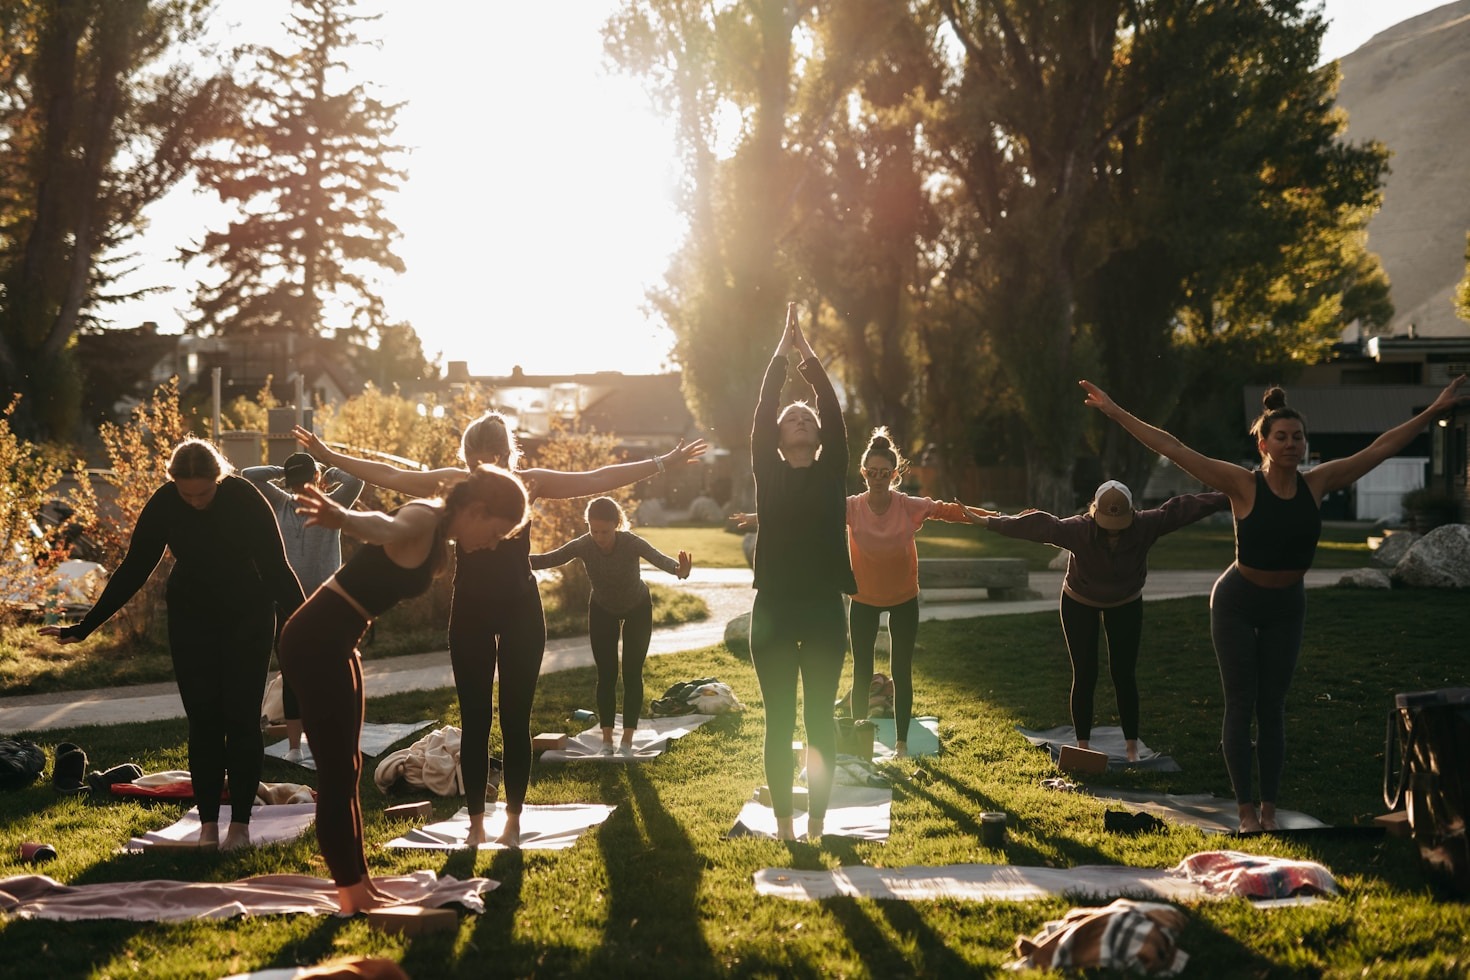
[747, 544]
[1366, 578]
[737, 633]
[1439, 560]
[1394, 547]
[650, 513]
[706, 510]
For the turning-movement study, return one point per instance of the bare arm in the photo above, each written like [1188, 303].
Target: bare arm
[559, 484]
[1339, 473]
[1234, 480]
[406, 534]
[415, 483]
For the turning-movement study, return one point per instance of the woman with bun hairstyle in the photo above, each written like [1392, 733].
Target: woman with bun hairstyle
[1258, 606]
[401, 554]
[1102, 591]
[881, 525]
[496, 624]
[619, 605]
[229, 577]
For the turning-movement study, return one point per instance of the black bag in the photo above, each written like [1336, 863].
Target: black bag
[21, 762]
[1428, 739]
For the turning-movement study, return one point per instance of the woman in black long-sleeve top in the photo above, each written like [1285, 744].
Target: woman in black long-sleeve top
[798, 628]
[229, 573]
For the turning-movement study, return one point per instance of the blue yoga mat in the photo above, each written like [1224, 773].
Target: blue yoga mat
[923, 734]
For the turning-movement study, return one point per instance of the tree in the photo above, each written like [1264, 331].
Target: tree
[308, 166]
[1462, 291]
[97, 123]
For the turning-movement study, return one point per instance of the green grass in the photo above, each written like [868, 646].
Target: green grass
[1205, 545]
[656, 889]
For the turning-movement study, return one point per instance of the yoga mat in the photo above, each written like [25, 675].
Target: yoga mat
[376, 737]
[40, 897]
[978, 883]
[859, 812]
[923, 736]
[1108, 739]
[543, 828]
[1213, 814]
[268, 825]
[650, 739]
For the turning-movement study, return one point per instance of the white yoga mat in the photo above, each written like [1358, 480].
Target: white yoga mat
[543, 828]
[978, 883]
[860, 812]
[923, 736]
[1213, 814]
[40, 897]
[1109, 739]
[650, 739]
[376, 738]
[268, 825]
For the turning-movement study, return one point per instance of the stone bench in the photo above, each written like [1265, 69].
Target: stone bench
[1001, 578]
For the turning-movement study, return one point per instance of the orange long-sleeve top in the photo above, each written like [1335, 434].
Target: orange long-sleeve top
[885, 559]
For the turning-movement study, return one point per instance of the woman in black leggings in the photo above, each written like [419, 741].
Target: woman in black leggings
[798, 629]
[495, 618]
[229, 573]
[1107, 565]
[1258, 606]
[318, 649]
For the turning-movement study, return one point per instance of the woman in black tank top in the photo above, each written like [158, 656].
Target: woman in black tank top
[318, 655]
[495, 621]
[1257, 608]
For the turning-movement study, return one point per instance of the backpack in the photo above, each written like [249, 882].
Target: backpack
[21, 763]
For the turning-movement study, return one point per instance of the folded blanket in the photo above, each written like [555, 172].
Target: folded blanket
[1131, 936]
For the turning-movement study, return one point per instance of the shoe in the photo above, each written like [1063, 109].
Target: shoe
[69, 774]
[607, 749]
[626, 751]
[295, 755]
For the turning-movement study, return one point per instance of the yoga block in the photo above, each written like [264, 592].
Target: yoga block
[549, 740]
[412, 920]
[798, 797]
[1395, 824]
[1074, 759]
[421, 810]
[275, 731]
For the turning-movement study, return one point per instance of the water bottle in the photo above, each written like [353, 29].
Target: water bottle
[582, 714]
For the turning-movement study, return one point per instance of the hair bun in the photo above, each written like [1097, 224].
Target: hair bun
[881, 442]
[1274, 398]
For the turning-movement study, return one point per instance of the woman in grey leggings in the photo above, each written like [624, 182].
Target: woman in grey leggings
[1258, 606]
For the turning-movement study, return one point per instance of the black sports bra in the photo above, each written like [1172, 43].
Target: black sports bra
[1279, 534]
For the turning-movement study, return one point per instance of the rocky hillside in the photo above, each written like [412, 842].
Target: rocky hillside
[1409, 87]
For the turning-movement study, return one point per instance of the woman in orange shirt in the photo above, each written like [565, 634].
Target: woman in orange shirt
[881, 524]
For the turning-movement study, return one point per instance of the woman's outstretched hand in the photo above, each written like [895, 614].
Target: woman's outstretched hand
[1097, 398]
[56, 632]
[311, 443]
[686, 564]
[745, 522]
[685, 452]
[319, 509]
[1451, 396]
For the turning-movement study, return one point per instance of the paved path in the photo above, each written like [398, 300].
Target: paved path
[726, 591]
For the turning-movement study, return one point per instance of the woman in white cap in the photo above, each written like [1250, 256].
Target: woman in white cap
[1103, 588]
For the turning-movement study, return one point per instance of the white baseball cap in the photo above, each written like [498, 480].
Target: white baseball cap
[1112, 506]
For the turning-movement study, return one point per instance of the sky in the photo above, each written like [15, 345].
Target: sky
[539, 204]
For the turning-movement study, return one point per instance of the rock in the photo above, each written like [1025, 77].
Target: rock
[747, 544]
[706, 510]
[1439, 560]
[1059, 561]
[1366, 578]
[650, 513]
[1394, 547]
[737, 633]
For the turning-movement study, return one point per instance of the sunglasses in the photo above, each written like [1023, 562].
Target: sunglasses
[878, 474]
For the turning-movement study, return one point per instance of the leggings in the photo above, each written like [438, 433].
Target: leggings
[507, 634]
[603, 628]
[220, 662]
[1080, 628]
[319, 657]
[795, 639]
[903, 629]
[1258, 637]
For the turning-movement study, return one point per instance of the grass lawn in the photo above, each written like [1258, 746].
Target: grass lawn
[1205, 545]
[656, 889]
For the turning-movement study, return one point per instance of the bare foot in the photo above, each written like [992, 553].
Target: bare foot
[1268, 817]
[1131, 749]
[900, 750]
[1250, 821]
[511, 837]
[359, 897]
[1083, 743]
[784, 830]
[209, 836]
[237, 837]
[476, 836]
[813, 828]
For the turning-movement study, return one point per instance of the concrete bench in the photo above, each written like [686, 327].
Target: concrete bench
[1001, 578]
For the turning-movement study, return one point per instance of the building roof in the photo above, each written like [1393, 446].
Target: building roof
[1348, 409]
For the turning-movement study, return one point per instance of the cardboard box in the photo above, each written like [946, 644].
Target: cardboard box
[1074, 759]
[798, 797]
[276, 731]
[421, 810]
[412, 920]
[549, 740]
[1395, 824]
